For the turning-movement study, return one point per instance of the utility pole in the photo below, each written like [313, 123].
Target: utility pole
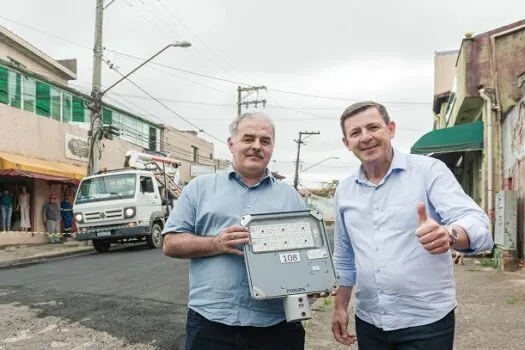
[249, 90]
[299, 143]
[95, 104]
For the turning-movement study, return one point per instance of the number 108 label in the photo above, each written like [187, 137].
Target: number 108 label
[289, 257]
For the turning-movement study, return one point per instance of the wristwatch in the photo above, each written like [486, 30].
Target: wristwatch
[452, 234]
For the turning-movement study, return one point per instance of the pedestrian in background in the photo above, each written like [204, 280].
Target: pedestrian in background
[51, 216]
[6, 209]
[396, 220]
[204, 226]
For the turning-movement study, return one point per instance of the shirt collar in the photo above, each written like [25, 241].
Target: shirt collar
[232, 173]
[399, 162]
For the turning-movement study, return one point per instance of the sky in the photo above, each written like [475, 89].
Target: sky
[315, 59]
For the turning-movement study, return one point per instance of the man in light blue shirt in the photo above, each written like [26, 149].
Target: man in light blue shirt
[396, 220]
[204, 226]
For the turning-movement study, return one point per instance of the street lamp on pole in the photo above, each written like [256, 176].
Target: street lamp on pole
[183, 44]
[316, 164]
[96, 107]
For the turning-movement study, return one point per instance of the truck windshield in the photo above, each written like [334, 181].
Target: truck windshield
[108, 187]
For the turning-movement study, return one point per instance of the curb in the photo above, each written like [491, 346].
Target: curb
[41, 258]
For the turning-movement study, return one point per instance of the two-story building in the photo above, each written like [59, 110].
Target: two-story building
[470, 116]
[44, 131]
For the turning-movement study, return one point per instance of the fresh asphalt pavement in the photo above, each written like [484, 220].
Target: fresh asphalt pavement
[134, 294]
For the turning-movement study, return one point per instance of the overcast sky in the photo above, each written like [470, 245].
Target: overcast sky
[347, 50]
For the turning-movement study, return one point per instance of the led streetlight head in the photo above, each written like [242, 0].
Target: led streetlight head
[183, 43]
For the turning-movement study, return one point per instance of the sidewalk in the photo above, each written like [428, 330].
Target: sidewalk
[19, 254]
[490, 313]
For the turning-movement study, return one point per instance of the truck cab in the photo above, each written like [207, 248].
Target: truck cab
[124, 206]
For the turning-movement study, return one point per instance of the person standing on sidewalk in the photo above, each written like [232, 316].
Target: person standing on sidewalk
[204, 226]
[6, 206]
[51, 216]
[396, 220]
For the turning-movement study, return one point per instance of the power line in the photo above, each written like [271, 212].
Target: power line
[170, 109]
[345, 99]
[47, 34]
[218, 78]
[270, 89]
[194, 34]
[183, 70]
[181, 78]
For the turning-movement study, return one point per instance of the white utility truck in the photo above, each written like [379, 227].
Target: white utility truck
[127, 205]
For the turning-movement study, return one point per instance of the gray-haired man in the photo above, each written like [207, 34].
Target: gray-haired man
[205, 227]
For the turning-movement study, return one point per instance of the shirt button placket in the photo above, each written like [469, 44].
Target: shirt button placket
[377, 257]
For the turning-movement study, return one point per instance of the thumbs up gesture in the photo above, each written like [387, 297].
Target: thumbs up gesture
[431, 235]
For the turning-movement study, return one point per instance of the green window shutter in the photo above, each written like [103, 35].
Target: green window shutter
[107, 116]
[4, 86]
[15, 89]
[43, 99]
[78, 110]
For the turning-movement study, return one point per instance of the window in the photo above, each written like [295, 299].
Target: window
[79, 111]
[55, 104]
[146, 184]
[43, 99]
[67, 105]
[211, 155]
[15, 89]
[107, 187]
[107, 116]
[152, 139]
[128, 127]
[157, 146]
[4, 95]
[195, 154]
[29, 95]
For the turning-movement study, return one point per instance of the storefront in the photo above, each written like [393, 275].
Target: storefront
[461, 149]
[40, 179]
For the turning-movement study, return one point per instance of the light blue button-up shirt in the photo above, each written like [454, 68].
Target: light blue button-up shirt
[218, 285]
[398, 283]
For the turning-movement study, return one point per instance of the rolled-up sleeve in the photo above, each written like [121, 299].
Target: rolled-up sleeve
[182, 217]
[455, 207]
[344, 257]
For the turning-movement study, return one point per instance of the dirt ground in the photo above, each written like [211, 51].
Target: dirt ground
[490, 313]
[22, 328]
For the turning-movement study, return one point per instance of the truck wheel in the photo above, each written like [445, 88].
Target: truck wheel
[154, 240]
[101, 246]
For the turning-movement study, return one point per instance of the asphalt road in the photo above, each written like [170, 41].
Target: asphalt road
[135, 294]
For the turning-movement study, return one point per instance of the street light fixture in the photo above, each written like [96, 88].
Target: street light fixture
[182, 44]
[96, 106]
[316, 164]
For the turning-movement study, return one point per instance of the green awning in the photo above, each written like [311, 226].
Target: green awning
[461, 138]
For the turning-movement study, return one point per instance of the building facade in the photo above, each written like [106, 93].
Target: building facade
[471, 117]
[44, 133]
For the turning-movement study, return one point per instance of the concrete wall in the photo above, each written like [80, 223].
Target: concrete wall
[514, 163]
[510, 63]
[30, 64]
[30, 135]
[492, 63]
[179, 146]
[444, 71]
[33, 136]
